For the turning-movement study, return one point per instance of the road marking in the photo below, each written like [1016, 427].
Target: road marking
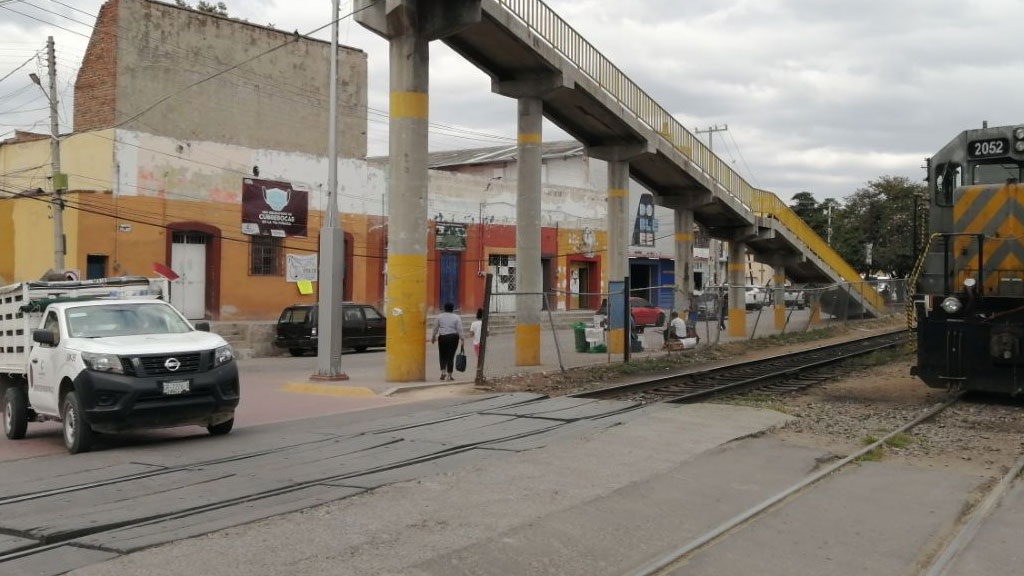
[329, 390]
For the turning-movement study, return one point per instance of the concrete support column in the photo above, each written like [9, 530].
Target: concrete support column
[737, 289]
[618, 240]
[406, 298]
[684, 260]
[779, 296]
[814, 298]
[528, 233]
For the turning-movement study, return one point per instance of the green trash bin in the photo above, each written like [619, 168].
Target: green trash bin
[579, 329]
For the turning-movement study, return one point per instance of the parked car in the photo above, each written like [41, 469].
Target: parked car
[795, 299]
[755, 297]
[644, 313]
[362, 326]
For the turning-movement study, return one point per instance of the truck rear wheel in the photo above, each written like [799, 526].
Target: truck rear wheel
[15, 413]
[77, 434]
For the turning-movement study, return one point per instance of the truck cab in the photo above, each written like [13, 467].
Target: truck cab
[109, 365]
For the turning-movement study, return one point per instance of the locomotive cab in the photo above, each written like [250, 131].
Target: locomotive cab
[969, 306]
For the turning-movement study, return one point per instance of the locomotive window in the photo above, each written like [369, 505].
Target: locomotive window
[947, 179]
[996, 173]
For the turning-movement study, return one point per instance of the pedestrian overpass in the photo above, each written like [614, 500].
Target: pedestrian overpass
[533, 55]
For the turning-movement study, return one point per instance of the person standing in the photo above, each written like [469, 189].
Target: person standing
[448, 335]
[723, 309]
[477, 329]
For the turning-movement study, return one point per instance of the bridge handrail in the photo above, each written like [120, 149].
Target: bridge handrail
[549, 26]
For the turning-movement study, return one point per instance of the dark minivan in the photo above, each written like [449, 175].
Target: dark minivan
[362, 326]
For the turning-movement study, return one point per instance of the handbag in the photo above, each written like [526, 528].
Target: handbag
[460, 359]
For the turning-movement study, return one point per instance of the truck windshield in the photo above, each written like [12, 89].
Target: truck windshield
[124, 320]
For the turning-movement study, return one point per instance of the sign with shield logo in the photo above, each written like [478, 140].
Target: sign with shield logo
[271, 208]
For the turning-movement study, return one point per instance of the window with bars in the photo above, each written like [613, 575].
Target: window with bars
[265, 256]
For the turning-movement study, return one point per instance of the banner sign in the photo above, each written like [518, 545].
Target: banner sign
[299, 268]
[449, 236]
[273, 209]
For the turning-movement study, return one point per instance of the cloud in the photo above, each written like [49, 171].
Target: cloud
[818, 95]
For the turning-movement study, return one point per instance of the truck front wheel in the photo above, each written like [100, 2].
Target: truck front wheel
[222, 428]
[15, 413]
[77, 434]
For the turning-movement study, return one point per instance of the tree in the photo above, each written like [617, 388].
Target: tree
[880, 214]
[811, 212]
[218, 9]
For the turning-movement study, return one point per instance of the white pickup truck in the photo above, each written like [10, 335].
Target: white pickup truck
[109, 355]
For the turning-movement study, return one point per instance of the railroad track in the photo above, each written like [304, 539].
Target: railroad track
[940, 563]
[783, 373]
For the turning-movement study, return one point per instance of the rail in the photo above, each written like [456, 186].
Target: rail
[551, 28]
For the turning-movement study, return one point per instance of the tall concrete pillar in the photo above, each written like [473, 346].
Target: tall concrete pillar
[406, 298]
[737, 289]
[528, 233]
[684, 260]
[618, 240]
[779, 295]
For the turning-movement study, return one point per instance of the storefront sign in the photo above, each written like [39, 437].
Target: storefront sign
[300, 267]
[273, 209]
[451, 237]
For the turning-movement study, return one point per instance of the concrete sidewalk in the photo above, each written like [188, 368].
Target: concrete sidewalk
[514, 509]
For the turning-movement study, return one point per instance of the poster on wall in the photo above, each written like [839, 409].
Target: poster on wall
[272, 208]
[646, 224]
[301, 267]
[449, 236]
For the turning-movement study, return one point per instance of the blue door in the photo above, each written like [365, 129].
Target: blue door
[667, 280]
[449, 278]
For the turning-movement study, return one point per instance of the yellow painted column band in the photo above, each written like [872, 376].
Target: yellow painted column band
[618, 193]
[406, 314]
[528, 345]
[684, 237]
[779, 279]
[737, 322]
[616, 340]
[815, 311]
[736, 267]
[780, 317]
[409, 105]
[529, 138]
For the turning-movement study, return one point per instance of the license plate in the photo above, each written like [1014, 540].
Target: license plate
[175, 387]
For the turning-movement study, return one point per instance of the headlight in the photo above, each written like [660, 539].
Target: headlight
[1019, 146]
[951, 305]
[222, 356]
[1018, 133]
[312, 332]
[102, 362]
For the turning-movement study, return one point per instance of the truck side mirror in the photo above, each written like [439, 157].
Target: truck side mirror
[44, 337]
[203, 326]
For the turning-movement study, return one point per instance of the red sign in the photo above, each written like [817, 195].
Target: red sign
[272, 208]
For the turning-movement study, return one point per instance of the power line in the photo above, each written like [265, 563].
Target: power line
[8, 75]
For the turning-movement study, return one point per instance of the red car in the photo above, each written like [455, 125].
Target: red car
[644, 313]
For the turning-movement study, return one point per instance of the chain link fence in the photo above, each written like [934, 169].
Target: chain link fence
[573, 336]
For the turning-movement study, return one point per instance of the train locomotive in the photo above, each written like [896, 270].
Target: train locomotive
[969, 302]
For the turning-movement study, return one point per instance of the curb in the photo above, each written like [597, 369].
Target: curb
[425, 386]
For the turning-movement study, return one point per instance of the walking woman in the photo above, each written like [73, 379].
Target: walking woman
[448, 335]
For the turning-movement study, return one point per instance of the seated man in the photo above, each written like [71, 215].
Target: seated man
[682, 333]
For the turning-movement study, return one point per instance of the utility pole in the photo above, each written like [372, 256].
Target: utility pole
[714, 248]
[58, 180]
[711, 134]
[332, 247]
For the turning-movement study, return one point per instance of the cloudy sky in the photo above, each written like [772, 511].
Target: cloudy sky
[818, 95]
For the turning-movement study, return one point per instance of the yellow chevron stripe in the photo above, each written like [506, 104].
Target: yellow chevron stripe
[965, 201]
[985, 217]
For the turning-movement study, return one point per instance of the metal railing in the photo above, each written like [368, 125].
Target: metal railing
[550, 28]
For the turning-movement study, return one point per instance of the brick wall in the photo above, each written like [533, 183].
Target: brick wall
[96, 85]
